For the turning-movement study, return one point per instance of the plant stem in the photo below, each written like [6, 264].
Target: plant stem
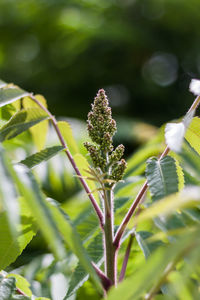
[20, 292]
[104, 279]
[85, 186]
[126, 257]
[110, 253]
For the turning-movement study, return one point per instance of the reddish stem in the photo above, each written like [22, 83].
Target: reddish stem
[126, 258]
[92, 199]
[106, 282]
[131, 210]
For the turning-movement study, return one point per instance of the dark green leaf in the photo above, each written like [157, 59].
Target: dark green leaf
[44, 155]
[162, 177]
[20, 122]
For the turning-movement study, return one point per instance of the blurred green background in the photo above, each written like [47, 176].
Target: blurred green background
[143, 52]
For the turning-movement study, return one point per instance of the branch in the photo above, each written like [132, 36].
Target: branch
[141, 193]
[106, 282]
[85, 186]
[133, 207]
[126, 258]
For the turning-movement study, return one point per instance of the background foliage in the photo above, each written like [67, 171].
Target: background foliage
[143, 52]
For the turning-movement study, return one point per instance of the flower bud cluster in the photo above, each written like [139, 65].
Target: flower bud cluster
[101, 128]
[97, 159]
[118, 170]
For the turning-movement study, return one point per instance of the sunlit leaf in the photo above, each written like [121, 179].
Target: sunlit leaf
[193, 134]
[20, 122]
[39, 157]
[66, 132]
[31, 192]
[38, 131]
[11, 94]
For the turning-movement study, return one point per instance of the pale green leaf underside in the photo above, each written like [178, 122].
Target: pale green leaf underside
[39, 157]
[20, 122]
[11, 94]
[162, 177]
[7, 287]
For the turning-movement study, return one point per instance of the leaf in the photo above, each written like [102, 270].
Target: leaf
[162, 177]
[86, 224]
[8, 193]
[66, 132]
[7, 287]
[11, 94]
[179, 170]
[21, 283]
[20, 122]
[39, 157]
[73, 241]
[36, 202]
[79, 276]
[39, 131]
[83, 166]
[12, 247]
[187, 198]
[151, 271]
[147, 247]
[193, 134]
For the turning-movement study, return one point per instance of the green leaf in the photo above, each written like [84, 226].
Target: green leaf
[10, 94]
[73, 241]
[79, 276]
[86, 224]
[193, 134]
[162, 177]
[38, 131]
[7, 287]
[39, 157]
[12, 247]
[66, 132]
[8, 193]
[187, 198]
[146, 246]
[20, 122]
[151, 271]
[21, 283]
[36, 202]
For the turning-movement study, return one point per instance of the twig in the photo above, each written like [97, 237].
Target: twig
[54, 122]
[126, 258]
[106, 282]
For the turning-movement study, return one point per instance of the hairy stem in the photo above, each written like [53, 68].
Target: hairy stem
[110, 253]
[84, 184]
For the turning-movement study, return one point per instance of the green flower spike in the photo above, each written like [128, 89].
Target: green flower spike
[101, 128]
